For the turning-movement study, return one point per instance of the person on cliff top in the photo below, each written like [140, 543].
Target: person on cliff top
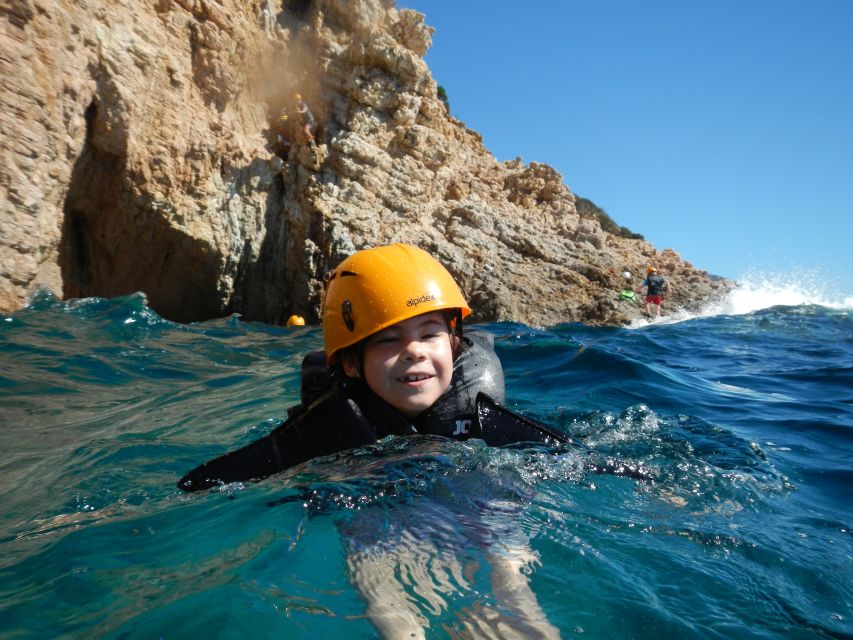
[657, 287]
[397, 363]
[306, 118]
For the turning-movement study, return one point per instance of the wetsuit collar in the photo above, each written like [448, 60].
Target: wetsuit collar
[386, 419]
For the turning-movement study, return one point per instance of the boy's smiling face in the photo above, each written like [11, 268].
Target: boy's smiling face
[409, 364]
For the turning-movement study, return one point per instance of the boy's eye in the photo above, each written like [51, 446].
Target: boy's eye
[436, 328]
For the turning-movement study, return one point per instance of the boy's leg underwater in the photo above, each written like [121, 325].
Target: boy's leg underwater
[512, 592]
[389, 608]
[397, 582]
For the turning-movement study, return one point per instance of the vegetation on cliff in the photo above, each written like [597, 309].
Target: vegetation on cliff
[588, 209]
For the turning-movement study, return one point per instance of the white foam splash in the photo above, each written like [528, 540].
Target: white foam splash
[760, 290]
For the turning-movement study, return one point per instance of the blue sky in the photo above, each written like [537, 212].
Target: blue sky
[723, 129]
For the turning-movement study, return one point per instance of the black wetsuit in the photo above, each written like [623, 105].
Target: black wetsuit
[339, 413]
[655, 285]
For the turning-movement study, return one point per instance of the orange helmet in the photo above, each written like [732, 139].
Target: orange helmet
[376, 288]
[651, 270]
[296, 321]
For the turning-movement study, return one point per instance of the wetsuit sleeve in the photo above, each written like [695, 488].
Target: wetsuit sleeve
[499, 426]
[331, 424]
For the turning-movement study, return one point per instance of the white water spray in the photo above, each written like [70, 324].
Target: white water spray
[760, 290]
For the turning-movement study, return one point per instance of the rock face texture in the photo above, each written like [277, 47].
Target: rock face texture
[138, 152]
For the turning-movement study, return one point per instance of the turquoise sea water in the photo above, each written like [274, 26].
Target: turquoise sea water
[742, 423]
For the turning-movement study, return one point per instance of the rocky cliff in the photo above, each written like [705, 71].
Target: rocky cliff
[138, 153]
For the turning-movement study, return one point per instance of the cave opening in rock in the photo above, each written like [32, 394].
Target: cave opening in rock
[113, 243]
[298, 7]
[75, 234]
[91, 197]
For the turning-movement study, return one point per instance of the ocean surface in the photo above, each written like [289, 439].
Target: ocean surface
[737, 425]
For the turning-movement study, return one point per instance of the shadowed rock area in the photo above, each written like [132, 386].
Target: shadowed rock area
[137, 154]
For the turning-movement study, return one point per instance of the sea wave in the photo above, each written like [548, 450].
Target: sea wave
[735, 431]
[758, 290]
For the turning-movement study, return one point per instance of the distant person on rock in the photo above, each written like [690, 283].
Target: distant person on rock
[627, 292]
[657, 287]
[306, 119]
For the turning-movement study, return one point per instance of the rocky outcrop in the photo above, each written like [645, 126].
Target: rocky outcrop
[136, 154]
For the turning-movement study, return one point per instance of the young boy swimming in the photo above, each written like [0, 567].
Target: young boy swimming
[398, 364]
[395, 363]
